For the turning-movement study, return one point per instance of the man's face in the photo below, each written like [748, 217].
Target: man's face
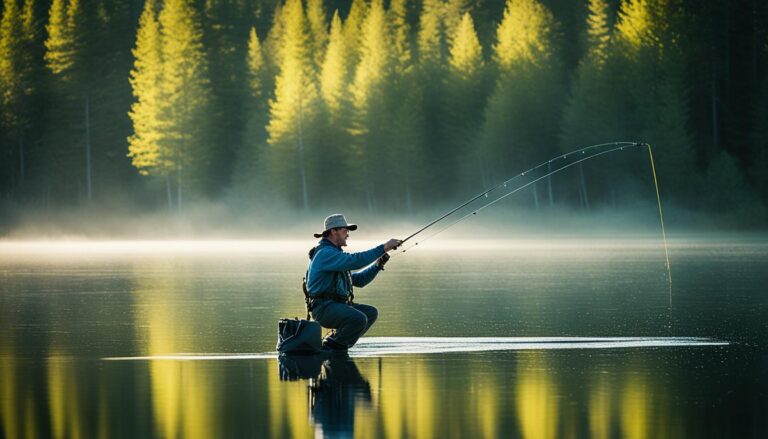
[339, 236]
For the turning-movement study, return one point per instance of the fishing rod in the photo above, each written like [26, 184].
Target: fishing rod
[617, 146]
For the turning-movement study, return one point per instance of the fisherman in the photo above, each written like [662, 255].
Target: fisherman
[330, 280]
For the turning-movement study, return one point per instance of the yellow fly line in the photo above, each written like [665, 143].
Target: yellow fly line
[661, 218]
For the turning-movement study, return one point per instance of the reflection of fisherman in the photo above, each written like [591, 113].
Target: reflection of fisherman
[334, 396]
[334, 390]
[329, 283]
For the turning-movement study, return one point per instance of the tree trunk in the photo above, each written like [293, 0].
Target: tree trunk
[369, 198]
[168, 191]
[713, 103]
[302, 171]
[88, 186]
[549, 185]
[408, 200]
[178, 188]
[21, 161]
[583, 187]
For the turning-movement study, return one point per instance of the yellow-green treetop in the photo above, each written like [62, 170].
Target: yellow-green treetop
[146, 79]
[634, 23]
[401, 46]
[255, 64]
[29, 20]
[353, 29]
[59, 53]
[374, 55]
[274, 38]
[317, 29]
[523, 34]
[295, 92]
[598, 33]
[335, 70]
[430, 32]
[466, 54]
[453, 13]
[185, 84]
[645, 24]
[11, 68]
[77, 29]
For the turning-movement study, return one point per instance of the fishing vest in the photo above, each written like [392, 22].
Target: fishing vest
[327, 295]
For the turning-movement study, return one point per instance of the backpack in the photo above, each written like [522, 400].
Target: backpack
[300, 336]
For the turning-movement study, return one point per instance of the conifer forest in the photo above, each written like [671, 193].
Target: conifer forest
[379, 105]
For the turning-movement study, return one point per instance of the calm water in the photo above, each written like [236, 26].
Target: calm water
[64, 309]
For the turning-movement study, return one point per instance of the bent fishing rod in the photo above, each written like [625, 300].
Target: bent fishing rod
[616, 146]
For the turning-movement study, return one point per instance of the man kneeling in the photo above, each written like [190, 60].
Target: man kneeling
[330, 281]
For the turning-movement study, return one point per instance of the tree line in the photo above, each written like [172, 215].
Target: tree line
[382, 105]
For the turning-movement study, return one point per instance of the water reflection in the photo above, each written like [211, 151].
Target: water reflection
[537, 404]
[335, 389]
[58, 320]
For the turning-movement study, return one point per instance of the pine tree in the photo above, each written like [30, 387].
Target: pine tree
[404, 104]
[293, 109]
[432, 74]
[146, 82]
[249, 173]
[653, 75]
[274, 41]
[466, 93]
[598, 32]
[184, 96]
[335, 69]
[353, 29]
[67, 56]
[524, 35]
[594, 113]
[256, 66]
[431, 38]
[453, 15]
[401, 45]
[369, 88]
[60, 43]
[521, 116]
[318, 30]
[225, 23]
[14, 89]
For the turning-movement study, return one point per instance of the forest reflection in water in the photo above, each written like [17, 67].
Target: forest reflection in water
[60, 316]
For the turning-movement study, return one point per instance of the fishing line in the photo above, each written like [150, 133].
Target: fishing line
[661, 220]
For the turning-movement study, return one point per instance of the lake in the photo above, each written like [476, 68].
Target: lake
[176, 339]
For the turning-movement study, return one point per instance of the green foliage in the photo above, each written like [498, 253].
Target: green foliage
[146, 80]
[61, 40]
[466, 92]
[184, 96]
[249, 174]
[387, 105]
[293, 111]
[14, 71]
[522, 114]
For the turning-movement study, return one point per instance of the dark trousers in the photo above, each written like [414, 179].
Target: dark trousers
[349, 321]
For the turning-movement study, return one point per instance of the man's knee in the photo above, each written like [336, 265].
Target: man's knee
[372, 314]
[358, 320]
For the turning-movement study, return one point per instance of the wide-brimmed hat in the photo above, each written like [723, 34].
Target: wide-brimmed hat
[334, 221]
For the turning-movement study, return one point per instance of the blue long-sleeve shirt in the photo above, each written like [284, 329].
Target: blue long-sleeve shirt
[329, 260]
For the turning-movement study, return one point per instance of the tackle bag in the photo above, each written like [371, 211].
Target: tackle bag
[296, 336]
